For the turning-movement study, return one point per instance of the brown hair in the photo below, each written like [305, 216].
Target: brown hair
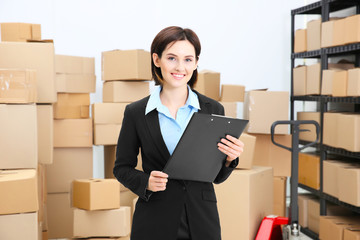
[169, 35]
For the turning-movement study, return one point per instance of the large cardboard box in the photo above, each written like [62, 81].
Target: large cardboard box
[352, 32]
[268, 154]
[19, 191]
[72, 106]
[339, 84]
[106, 134]
[126, 65]
[303, 200]
[299, 80]
[330, 129]
[19, 226]
[313, 35]
[259, 110]
[73, 133]
[60, 215]
[124, 91]
[36, 56]
[330, 177]
[333, 227]
[309, 170]
[348, 132]
[74, 65]
[69, 164]
[111, 223]
[300, 42]
[20, 32]
[208, 83]
[75, 83]
[352, 233]
[246, 158]
[327, 33]
[349, 184]
[313, 214]
[313, 73]
[45, 128]
[232, 93]
[96, 194]
[108, 113]
[250, 195]
[328, 76]
[18, 86]
[18, 138]
[353, 87]
[311, 134]
[339, 32]
[279, 208]
[231, 109]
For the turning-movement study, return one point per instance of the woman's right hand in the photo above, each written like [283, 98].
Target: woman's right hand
[157, 181]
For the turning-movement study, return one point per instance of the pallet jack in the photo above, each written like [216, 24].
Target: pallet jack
[270, 228]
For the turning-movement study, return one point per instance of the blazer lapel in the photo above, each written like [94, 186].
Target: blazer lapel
[204, 104]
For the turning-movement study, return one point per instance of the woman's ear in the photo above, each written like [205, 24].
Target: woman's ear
[156, 59]
[196, 64]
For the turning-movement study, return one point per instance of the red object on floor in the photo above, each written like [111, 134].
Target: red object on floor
[270, 228]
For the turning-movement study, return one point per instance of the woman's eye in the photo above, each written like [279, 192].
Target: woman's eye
[188, 60]
[171, 58]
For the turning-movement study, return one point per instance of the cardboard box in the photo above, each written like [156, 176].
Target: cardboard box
[327, 33]
[18, 138]
[313, 35]
[309, 170]
[72, 106]
[259, 110]
[231, 109]
[96, 194]
[300, 41]
[208, 83]
[126, 65]
[250, 195]
[108, 113]
[45, 132]
[333, 227]
[60, 216]
[123, 91]
[311, 134]
[349, 184]
[352, 33]
[303, 200]
[352, 233]
[69, 164]
[353, 87]
[19, 188]
[42, 197]
[73, 133]
[348, 132]
[279, 208]
[330, 177]
[36, 56]
[246, 158]
[339, 84]
[268, 154]
[111, 223]
[20, 32]
[232, 93]
[75, 83]
[313, 215]
[74, 65]
[299, 80]
[330, 128]
[339, 32]
[327, 81]
[18, 86]
[313, 79]
[106, 134]
[19, 226]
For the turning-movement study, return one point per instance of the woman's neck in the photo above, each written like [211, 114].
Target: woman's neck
[173, 98]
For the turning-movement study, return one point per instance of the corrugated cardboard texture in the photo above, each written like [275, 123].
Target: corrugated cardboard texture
[72, 106]
[9, 226]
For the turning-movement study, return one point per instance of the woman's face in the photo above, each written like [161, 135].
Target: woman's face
[177, 63]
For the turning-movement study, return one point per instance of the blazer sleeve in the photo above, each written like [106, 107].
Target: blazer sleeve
[126, 157]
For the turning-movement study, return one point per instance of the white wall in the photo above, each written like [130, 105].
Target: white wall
[248, 42]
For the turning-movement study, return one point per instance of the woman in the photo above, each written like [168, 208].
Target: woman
[170, 209]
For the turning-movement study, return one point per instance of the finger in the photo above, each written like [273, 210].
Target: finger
[159, 174]
[160, 180]
[230, 144]
[235, 140]
[229, 151]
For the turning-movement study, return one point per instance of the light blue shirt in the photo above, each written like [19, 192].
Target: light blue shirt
[172, 129]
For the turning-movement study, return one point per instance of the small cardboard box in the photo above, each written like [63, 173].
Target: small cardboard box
[330, 127]
[28, 223]
[96, 194]
[349, 184]
[339, 32]
[75, 83]
[106, 134]
[73, 133]
[69, 164]
[330, 177]
[348, 132]
[108, 113]
[311, 134]
[45, 128]
[303, 208]
[352, 233]
[18, 86]
[279, 208]
[208, 83]
[259, 110]
[313, 35]
[231, 109]
[232, 93]
[36, 56]
[353, 87]
[20, 193]
[126, 65]
[333, 227]
[125, 91]
[309, 170]
[111, 223]
[300, 41]
[313, 79]
[74, 65]
[247, 157]
[299, 80]
[72, 106]
[352, 32]
[339, 84]
[327, 81]
[18, 138]
[327, 33]
[313, 213]
[250, 195]
[20, 32]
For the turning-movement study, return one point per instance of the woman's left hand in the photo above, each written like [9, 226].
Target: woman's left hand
[232, 147]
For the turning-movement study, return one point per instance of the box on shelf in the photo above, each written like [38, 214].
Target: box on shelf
[69, 164]
[330, 177]
[328, 76]
[313, 79]
[126, 65]
[300, 41]
[73, 133]
[279, 208]
[348, 132]
[352, 33]
[74, 64]
[313, 35]
[339, 32]
[232, 93]
[311, 134]
[349, 184]
[327, 33]
[330, 129]
[353, 87]
[309, 170]
[246, 158]
[313, 214]
[208, 83]
[72, 106]
[250, 193]
[231, 109]
[303, 200]
[75, 83]
[45, 128]
[20, 32]
[125, 91]
[299, 80]
[9, 226]
[339, 84]
[96, 194]
[18, 138]
[36, 56]
[333, 227]
[352, 233]
[106, 134]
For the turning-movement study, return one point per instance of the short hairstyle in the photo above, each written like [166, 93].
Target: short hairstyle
[167, 36]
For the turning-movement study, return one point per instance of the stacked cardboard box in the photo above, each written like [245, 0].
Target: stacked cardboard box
[334, 227]
[232, 98]
[208, 84]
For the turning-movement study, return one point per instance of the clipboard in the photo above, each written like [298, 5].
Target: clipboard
[196, 156]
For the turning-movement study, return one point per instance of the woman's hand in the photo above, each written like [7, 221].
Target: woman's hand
[157, 181]
[232, 147]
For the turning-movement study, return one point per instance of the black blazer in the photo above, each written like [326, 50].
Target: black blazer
[158, 216]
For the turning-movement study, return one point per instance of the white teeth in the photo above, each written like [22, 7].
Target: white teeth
[177, 75]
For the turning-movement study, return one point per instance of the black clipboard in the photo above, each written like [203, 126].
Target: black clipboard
[196, 156]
